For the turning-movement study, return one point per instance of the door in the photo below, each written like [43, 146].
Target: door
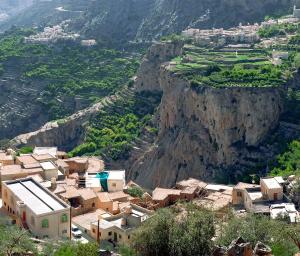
[275, 196]
[24, 216]
[115, 237]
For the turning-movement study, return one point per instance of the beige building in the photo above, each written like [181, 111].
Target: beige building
[39, 210]
[271, 189]
[118, 228]
[50, 170]
[12, 172]
[6, 159]
[238, 192]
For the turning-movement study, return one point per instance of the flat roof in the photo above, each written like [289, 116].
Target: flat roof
[45, 150]
[255, 195]
[116, 175]
[162, 193]
[48, 165]
[271, 183]
[26, 159]
[35, 197]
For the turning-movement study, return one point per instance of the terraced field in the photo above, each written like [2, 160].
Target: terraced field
[227, 67]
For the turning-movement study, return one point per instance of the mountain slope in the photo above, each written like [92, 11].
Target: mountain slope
[119, 21]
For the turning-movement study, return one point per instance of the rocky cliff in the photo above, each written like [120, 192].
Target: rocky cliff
[204, 130]
[148, 73]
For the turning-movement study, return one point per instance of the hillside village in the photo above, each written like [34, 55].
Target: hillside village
[58, 197]
[55, 196]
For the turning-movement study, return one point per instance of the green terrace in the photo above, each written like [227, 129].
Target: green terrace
[227, 67]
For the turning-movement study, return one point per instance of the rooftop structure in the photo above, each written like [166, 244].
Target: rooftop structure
[6, 159]
[40, 210]
[284, 210]
[120, 227]
[108, 181]
[45, 150]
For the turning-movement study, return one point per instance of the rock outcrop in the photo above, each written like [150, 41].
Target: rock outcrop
[240, 247]
[149, 71]
[204, 130]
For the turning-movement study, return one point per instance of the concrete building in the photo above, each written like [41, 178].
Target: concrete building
[119, 228]
[107, 181]
[6, 159]
[45, 150]
[271, 189]
[50, 170]
[238, 192]
[285, 210]
[12, 172]
[39, 210]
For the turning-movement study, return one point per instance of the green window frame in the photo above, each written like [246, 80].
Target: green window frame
[45, 223]
[64, 218]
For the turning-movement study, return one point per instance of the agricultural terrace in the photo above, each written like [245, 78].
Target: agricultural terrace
[227, 67]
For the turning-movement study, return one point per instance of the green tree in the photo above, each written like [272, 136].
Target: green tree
[254, 228]
[14, 240]
[169, 233]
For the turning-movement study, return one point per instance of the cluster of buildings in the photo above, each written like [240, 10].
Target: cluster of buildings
[48, 193]
[54, 34]
[267, 198]
[243, 34]
[219, 37]
[51, 35]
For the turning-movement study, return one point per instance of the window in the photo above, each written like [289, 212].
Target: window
[64, 218]
[45, 223]
[109, 233]
[114, 184]
[93, 204]
[239, 194]
[94, 230]
[129, 237]
[120, 236]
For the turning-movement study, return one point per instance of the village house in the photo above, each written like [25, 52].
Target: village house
[107, 181]
[271, 189]
[39, 210]
[118, 228]
[6, 158]
[238, 192]
[283, 210]
[12, 172]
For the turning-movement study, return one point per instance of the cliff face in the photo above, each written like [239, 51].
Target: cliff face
[148, 73]
[204, 130]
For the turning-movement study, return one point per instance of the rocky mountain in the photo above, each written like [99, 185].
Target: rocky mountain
[120, 21]
[203, 129]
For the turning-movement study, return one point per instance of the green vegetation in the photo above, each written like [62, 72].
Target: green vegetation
[14, 241]
[71, 249]
[25, 150]
[280, 236]
[173, 38]
[164, 234]
[277, 30]
[135, 192]
[228, 68]
[67, 71]
[113, 131]
[288, 163]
